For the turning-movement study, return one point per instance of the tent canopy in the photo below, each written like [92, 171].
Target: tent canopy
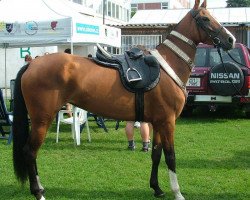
[46, 22]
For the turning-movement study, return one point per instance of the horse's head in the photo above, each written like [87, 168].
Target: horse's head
[210, 30]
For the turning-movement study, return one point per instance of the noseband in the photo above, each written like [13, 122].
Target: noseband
[204, 24]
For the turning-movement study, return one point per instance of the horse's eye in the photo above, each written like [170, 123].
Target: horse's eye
[205, 19]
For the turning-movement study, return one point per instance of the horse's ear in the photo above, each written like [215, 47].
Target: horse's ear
[197, 4]
[204, 4]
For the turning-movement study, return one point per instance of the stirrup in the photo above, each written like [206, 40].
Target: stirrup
[133, 75]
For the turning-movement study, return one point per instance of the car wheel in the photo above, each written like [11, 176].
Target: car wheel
[227, 79]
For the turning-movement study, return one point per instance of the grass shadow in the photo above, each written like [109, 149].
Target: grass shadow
[96, 194]
[240, 160]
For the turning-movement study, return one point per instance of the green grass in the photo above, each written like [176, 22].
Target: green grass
[213, 158]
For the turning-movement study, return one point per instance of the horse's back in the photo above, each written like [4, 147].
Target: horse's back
[59, 78]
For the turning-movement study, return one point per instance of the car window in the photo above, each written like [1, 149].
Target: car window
[236, 53]
[200, 57]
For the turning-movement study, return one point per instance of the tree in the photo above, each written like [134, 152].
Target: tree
[238, 3]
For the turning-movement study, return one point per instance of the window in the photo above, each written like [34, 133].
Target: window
[113, 50]
[149, 41]
[124, 14]
[113, 10]
[164, 5]
[209, 57]
[109, 9]
[128, 18]
[117, 11]
[120, 12]
[200, 57]
[236, 53]
[134, 8]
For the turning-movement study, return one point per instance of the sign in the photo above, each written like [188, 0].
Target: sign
[87, 29]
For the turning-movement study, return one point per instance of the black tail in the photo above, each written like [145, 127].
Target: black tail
[20, 129]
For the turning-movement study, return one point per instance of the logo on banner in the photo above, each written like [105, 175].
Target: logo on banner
[10, 28]
[31, 28]
[53, 25]
[87, 29]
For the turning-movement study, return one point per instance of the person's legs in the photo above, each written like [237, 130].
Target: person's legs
[129, 130]
[145, 135]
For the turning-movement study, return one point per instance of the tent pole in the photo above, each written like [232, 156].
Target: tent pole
[71, 42]
[5, 69]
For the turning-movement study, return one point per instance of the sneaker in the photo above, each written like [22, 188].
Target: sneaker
[144, 149]
[132, 148]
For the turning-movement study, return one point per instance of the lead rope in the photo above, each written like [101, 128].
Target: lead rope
[219, 52]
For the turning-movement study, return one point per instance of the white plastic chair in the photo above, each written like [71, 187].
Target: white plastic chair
[78, 119]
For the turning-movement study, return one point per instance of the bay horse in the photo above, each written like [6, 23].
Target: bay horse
[48, 82]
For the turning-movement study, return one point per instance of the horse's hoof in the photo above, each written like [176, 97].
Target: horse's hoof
[159, 194]
[180, 198]
[40, 197]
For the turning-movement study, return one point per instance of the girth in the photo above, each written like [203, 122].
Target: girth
[138, 72]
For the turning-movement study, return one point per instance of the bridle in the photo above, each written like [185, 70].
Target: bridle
[203, 22]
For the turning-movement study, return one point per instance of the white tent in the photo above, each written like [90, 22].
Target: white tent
[34, 23]
[50, 22]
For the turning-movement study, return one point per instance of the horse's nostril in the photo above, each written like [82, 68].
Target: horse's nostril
[230, 40]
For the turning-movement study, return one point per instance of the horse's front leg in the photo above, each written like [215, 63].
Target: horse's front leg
[156, 157]
[167, 138]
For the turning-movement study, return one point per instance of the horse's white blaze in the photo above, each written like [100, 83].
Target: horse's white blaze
[175, 186]
[229, 33]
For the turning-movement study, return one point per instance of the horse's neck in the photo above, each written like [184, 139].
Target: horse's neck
[187, 27]
[181, 68]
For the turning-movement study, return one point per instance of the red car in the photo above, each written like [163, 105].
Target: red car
[213, 84]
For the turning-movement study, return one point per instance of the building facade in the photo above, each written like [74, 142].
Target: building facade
[150, 27]
[148, 35]
[107, 11]
[157, 4]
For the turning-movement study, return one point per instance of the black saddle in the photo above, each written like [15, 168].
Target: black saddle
[138, 72]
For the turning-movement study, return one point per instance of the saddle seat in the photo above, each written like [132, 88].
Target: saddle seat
[138, 72]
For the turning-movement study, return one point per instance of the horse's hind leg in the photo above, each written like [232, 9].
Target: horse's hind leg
[35, 140]
[156, 157]
[167, 139]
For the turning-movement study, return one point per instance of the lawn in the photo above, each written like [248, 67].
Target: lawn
[213, 159]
